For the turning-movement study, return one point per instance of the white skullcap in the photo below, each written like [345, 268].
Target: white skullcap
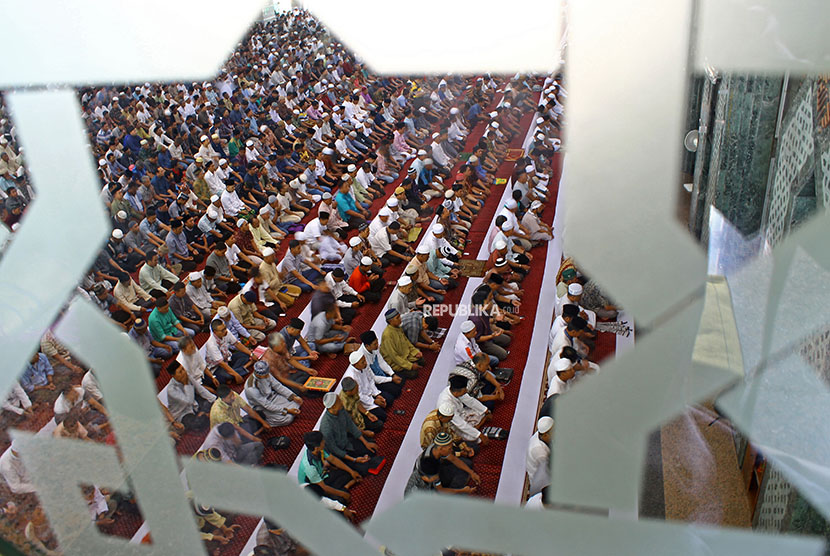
[422, 110]
[540, 120]
[529, 168]
[562, 364]
[240, 222]
[422, 152]
[328, 151]
[117, 234]
[446, 409]
[263, 127]
[223, 312]
[344, 177]
[329, 399]
[336, 107]
[404, 281]
[535, 204]
[436, 134]
[366, 261]
[392, 202]
[214, 198]
[540, 136]
[263, 211]
[500, 244]
[121, 214]
[448, 194]
[544, 424]
[495, 125]
[193, 276]
[303, 178]
[296, 111]
[494, 114]
[352, 134]
[467, 326]
[299, 236]
[507, 104]
[575, 289]
[422, 249]
[507, 226]
[473, 159]
[249, 143]
[326, 196]
[453, 110]
[427, 161]
[438, 229]
[355, 356]
[351, 168]
[511, 204]
[211, 212]
[355, 241]
[215, 135]
[223, 161]
[385, 212]
[267, 252]
[101, 162]
[203, 138]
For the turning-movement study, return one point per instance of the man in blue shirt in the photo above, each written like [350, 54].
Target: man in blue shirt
[347, 208]
[38, 374]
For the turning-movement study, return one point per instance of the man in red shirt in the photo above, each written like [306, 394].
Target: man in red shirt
[366, 283]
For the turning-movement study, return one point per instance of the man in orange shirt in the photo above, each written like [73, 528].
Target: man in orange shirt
[366, 283]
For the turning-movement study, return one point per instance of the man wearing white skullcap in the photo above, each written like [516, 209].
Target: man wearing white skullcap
[538, 455]
[539, 232]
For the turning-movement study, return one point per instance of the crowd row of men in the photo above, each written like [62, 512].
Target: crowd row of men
[205, 182]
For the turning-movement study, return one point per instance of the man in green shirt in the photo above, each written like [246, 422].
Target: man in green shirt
[326, 474]
[396, 349]
[164, 326]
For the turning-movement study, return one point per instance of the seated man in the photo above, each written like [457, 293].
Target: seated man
[267, 396]
[164, 326]
[346, 297]
[345, 440]
[38, 374]
[481, 383]
[468, 413]
[294, 270]
[292, 334]
[415, 325]
[185, 310]
[365, 282]
[228, 408]
[235, 444]
[466, 346]
[225, 363]
[384, 375]
[453, 472]
[182, 403]
[396, 349]
[156, 352]
[325, 335]
[365, 420]
[283, 294]
[371, 398]
[195, 366]
[284, 367]
[198, 293]
[244, 308]
[153, 277]
[325, 474]
[439, 420]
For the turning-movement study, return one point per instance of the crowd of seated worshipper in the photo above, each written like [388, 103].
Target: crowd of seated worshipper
[235, 199]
